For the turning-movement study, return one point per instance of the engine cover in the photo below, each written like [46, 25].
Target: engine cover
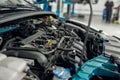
[12, 68]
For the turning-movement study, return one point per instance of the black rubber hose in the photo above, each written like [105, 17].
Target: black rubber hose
[30, 49]
[9, 41]
[28, 54]
[22, 48]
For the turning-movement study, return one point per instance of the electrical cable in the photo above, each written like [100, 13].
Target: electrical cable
[88, 27]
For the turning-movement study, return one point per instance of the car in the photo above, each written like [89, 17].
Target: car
[39, 45]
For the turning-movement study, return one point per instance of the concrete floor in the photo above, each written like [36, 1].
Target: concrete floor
[97, 22]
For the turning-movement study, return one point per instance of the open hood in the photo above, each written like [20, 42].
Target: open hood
[12, 2]
[17, 5]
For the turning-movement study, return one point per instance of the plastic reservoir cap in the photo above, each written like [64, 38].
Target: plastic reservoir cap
[62, 73]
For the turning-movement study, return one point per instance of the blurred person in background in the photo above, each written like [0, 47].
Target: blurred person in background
[109, 8]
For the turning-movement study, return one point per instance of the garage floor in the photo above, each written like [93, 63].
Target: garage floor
[97, 22]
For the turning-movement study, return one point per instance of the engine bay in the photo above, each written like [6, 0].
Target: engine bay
[51, 49]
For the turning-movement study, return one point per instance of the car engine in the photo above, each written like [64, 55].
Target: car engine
[45, 48]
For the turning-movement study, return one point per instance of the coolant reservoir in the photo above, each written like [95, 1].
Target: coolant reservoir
[61, 73]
